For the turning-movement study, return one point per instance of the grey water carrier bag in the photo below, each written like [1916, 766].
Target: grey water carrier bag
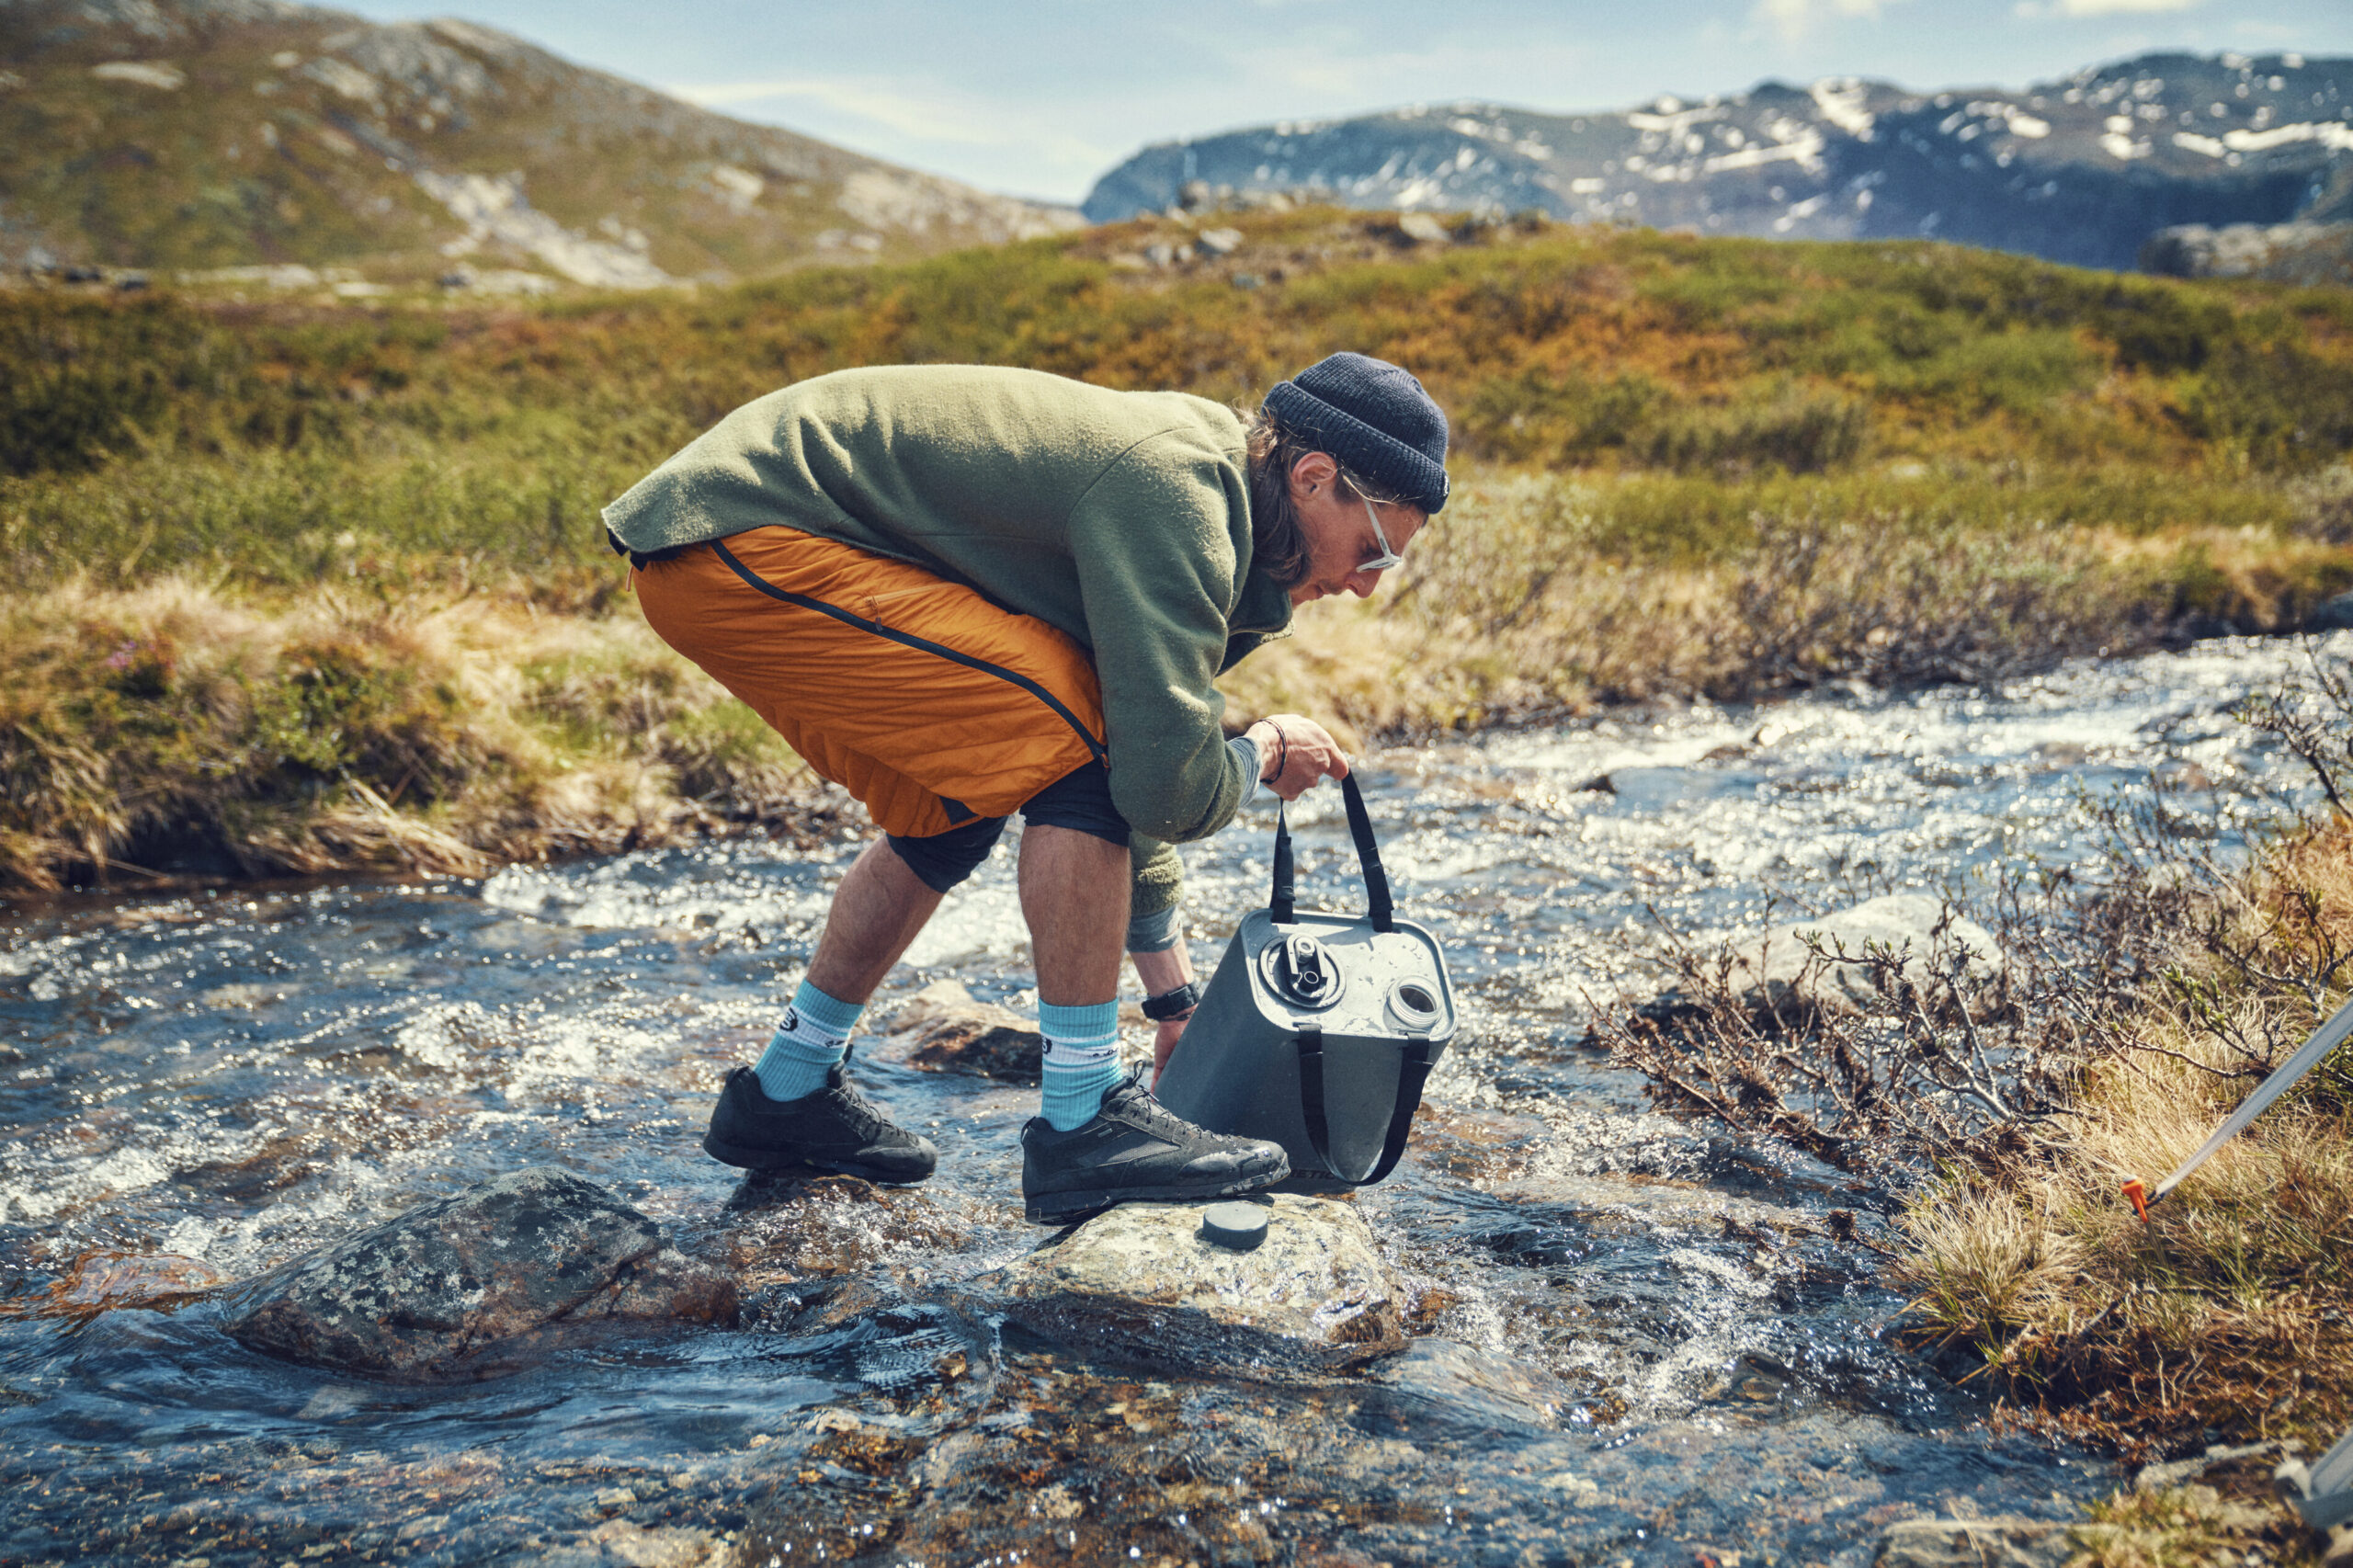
[1318, 1030]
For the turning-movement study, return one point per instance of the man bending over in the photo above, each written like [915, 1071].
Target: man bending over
[960, 592]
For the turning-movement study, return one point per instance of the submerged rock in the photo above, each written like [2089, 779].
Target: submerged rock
[1457, 1386]
[638, 1546]
[1143, 1282]
[110, 1279]
[2003, 1540]
[453, 1286]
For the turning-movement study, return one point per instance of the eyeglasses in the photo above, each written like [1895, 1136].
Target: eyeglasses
[1388, 557]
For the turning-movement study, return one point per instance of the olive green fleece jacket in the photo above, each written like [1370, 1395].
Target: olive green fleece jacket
[1122, 518]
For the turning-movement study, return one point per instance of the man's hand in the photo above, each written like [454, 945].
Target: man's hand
[1294, 753]
[1165, 1042]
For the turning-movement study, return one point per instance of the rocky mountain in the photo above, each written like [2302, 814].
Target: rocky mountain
[2081, 170]
[262, 134]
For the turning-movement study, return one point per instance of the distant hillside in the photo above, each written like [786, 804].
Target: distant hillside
[2081, 170]
[217, 134]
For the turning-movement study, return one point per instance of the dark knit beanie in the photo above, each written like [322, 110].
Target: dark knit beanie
[1374, 418]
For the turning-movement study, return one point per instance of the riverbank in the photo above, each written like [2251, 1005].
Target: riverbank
[2228, 1314]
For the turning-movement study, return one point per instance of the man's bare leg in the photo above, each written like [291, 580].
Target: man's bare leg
[878, 912]
[1074, 895]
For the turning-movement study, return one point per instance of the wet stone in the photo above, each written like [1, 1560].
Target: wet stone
[788, 1227]
[947, 1031]
[1143, 1281]
[1456, 1384]
[944, 1030]
[460, 1285]
[102, 1279]
[2004, 1540]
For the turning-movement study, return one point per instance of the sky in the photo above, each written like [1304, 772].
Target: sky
[1039, 98]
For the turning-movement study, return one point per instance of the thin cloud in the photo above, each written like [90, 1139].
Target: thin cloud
[925, 118]
[1793, 19]
[924, 131]
[2072, 8]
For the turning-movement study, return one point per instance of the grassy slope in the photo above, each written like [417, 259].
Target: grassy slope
[1728, 467]
[249, 161]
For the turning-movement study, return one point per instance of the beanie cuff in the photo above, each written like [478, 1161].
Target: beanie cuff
[1372, 452]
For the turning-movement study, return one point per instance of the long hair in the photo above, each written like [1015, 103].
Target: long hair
[1277, 542]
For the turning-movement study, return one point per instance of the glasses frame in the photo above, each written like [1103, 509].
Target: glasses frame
[1388, 557]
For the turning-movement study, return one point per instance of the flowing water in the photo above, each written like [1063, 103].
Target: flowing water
[238, 1074]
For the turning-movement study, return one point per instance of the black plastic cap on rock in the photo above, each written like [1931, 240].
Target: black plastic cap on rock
[1237, 1225]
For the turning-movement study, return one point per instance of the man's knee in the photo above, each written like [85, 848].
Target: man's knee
[1081, 801]
[941, 860]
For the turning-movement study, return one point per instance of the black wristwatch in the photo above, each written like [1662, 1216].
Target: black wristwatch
[1172, 1004]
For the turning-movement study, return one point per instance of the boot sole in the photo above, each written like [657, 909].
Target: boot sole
[1068, 1207]
[768, 1160]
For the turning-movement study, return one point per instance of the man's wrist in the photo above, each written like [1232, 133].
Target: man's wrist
[1274, 749]
[1171, 1004]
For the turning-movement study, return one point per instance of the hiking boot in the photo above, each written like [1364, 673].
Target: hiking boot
[1135, 1149]
[832, 1128]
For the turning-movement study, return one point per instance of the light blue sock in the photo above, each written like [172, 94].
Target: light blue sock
[1082, 1062]
[808, 1045]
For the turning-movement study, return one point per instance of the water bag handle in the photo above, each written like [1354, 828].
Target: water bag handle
[1281, 906]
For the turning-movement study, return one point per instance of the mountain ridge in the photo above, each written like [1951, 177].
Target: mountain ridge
[243, 133]
[2082, 169]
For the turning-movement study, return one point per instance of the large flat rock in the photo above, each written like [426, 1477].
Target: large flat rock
[1142, 1280]
[458, 1286]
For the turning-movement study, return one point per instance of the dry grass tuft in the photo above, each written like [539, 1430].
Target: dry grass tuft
[323, 731]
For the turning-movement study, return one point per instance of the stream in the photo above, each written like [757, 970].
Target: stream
[236, 1074]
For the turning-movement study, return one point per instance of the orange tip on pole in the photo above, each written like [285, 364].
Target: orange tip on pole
[2139, 1196]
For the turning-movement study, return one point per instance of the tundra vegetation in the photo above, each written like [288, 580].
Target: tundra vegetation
[311, 585]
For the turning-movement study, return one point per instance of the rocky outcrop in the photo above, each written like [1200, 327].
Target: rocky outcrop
[946, 1030]
[2331, 615]
[2003, 1540]
[2306, 254]
[1142, 1281]
[462, 1286]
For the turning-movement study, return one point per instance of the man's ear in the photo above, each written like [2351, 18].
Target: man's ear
[1311, 471]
